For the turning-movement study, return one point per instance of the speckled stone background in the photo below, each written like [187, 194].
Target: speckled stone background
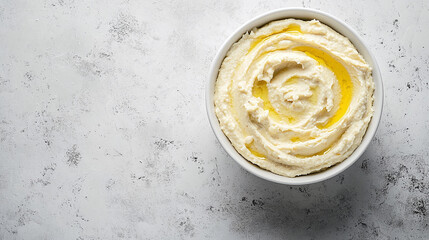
[104, 134]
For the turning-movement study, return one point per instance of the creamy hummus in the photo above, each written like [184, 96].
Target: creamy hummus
[294, 97]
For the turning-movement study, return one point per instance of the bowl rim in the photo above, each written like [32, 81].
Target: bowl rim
[339, 26]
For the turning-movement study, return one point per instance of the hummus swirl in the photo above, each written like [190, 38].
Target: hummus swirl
[294, 97]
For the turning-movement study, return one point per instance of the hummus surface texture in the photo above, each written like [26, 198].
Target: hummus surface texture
[294, 97]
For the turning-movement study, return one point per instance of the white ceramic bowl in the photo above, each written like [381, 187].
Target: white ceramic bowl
[337, 25]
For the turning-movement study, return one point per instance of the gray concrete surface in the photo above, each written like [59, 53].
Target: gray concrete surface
[104, 135]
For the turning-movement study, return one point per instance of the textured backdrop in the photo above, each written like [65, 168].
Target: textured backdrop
[104, 134]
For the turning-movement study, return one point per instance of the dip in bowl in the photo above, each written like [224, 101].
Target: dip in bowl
[294, 96]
